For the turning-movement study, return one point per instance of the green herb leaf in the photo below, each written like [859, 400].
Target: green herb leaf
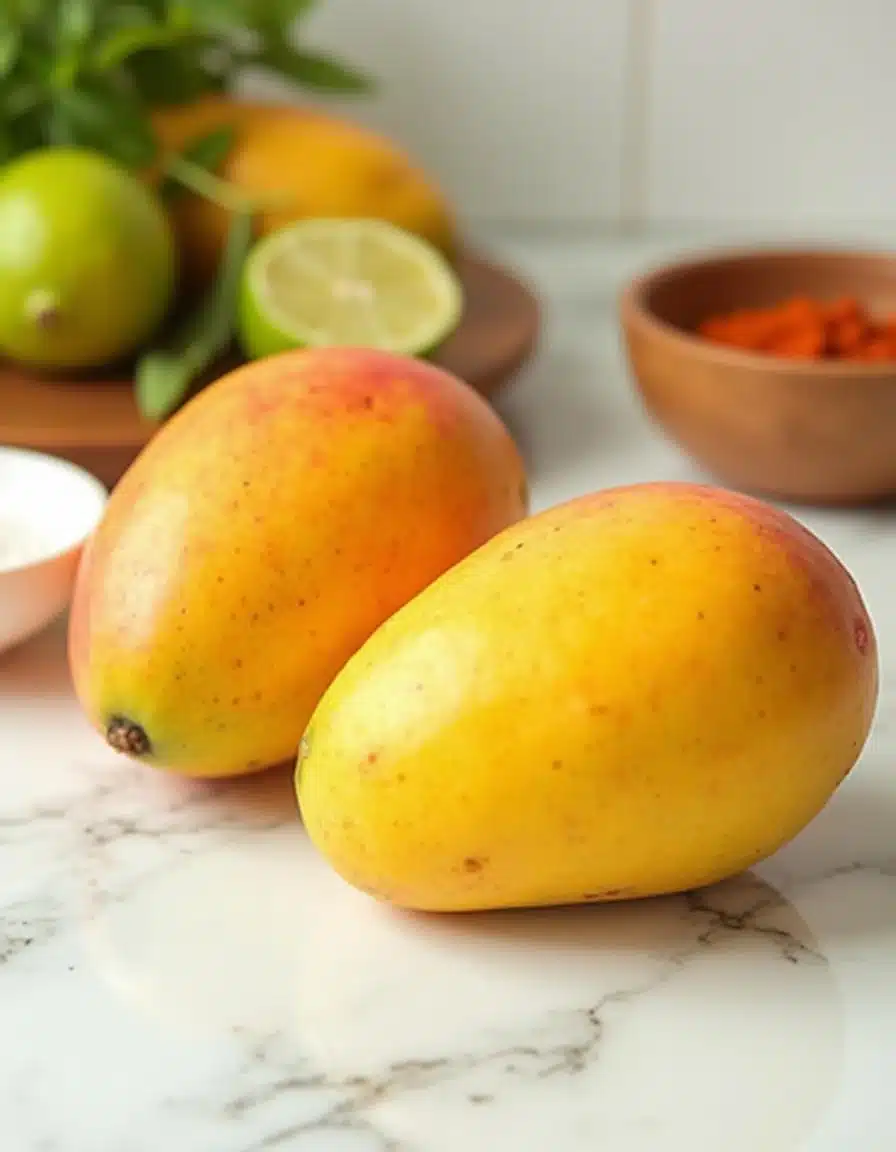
[179, 14]
[75, 22]
[38, 61]
[101, 116]
[175, 75]
[60, 132]
[10, 42]
[91, 71]
[312, 69]
[74, 25]
[27, 131]
[163, 382]
[126, 42]
[207, 152]
[19, 98]
[165, 376]
[210, 151]
[119, 13]
[295, 9]
[7, 144]
[223, 14]
[280, 14]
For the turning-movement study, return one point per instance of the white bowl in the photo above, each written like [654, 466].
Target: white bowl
[48, 509]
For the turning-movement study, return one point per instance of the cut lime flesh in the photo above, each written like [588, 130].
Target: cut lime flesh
[358, 283]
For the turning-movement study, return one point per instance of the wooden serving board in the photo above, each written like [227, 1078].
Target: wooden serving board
[94, 423]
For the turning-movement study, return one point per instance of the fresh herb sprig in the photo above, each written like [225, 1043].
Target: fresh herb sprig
[167, 374]
[89, 72]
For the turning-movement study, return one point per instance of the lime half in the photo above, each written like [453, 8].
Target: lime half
[358, 283]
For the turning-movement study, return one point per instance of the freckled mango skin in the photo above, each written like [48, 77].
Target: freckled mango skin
[639, 692]
[264, 533]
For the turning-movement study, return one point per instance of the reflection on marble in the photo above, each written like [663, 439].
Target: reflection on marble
[179, 970]
[376, 1022]
[190, 974]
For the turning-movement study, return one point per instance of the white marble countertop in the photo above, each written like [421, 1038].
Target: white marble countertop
[179, 972]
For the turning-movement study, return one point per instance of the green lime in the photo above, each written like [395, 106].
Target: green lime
[87, 260]
[363, 283]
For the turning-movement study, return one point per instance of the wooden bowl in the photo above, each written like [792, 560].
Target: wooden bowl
[811, 431]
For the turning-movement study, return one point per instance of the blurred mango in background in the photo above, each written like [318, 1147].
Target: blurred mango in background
[297, 162]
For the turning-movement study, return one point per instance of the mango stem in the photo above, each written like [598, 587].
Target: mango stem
[125, 736]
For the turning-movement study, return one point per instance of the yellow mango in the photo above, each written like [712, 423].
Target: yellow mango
[263, 534]
[638, 692]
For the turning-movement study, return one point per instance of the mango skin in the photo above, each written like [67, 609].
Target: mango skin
[639, 692]
[264, 533]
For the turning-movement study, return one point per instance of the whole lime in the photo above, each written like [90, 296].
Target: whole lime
[87, 260]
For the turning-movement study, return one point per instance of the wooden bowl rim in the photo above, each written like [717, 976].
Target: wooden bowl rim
[635, 311]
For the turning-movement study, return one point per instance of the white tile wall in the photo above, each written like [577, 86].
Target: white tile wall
[517, 105]
[772, 110]
[753, 111]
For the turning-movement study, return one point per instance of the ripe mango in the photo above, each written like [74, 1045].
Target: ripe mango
[638, 692]
[263, 534]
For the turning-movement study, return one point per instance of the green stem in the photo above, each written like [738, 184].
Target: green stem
[166, 374]
[206, 184]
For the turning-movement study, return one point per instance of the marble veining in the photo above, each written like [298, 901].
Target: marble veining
[179, 970]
